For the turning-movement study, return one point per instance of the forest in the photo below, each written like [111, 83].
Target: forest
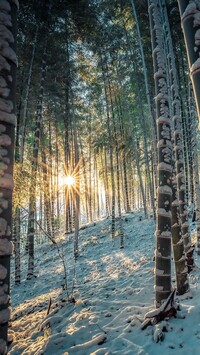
[99, 177]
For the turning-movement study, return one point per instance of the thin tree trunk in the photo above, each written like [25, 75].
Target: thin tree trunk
[32, 199]
[111, 154]
[23, 125]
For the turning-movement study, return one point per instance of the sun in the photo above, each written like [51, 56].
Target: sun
[69, 181]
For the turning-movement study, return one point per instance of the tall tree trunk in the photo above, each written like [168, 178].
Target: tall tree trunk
[16, 238]
[149, 100]
[179, 205]
[85, 179]
[164, 194]
[52, 185]
[193, 114]
[111, 154]
[46, 189]
[7, 130]
[143, 121]
[23, 124]
[32, 199]
[190, 13]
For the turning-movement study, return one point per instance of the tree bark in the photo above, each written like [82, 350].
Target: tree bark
[7, 140]
[190, 13]
[163, 222]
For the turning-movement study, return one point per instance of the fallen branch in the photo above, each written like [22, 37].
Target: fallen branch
[167, 310]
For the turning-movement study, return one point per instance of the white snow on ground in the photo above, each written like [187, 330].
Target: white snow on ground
[113, 291]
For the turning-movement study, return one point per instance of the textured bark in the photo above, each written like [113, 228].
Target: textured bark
[178, 181]
[193, 114]
[7, 129]
[163, 222]
[190, 14]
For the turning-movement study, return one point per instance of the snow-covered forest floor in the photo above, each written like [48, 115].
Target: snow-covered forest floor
[113, 291]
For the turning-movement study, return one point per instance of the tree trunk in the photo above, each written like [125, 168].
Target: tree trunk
[7, 140]
[32, 199]
[178, 180]
[163, 222]
[190, 12]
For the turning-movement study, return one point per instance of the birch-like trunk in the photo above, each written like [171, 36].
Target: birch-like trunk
[7, 131]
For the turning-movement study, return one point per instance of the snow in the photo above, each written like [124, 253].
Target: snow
[114, 289]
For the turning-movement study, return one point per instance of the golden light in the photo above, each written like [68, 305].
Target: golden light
[69, 181]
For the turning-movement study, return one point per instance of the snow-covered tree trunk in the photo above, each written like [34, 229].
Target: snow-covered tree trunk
[179, 205]
[190, 20]
[8, 63]
[32, 199]
[164, 193]
[196, 183]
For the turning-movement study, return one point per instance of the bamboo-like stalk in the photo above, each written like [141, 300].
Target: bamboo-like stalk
[190, 13]
[164, 193]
